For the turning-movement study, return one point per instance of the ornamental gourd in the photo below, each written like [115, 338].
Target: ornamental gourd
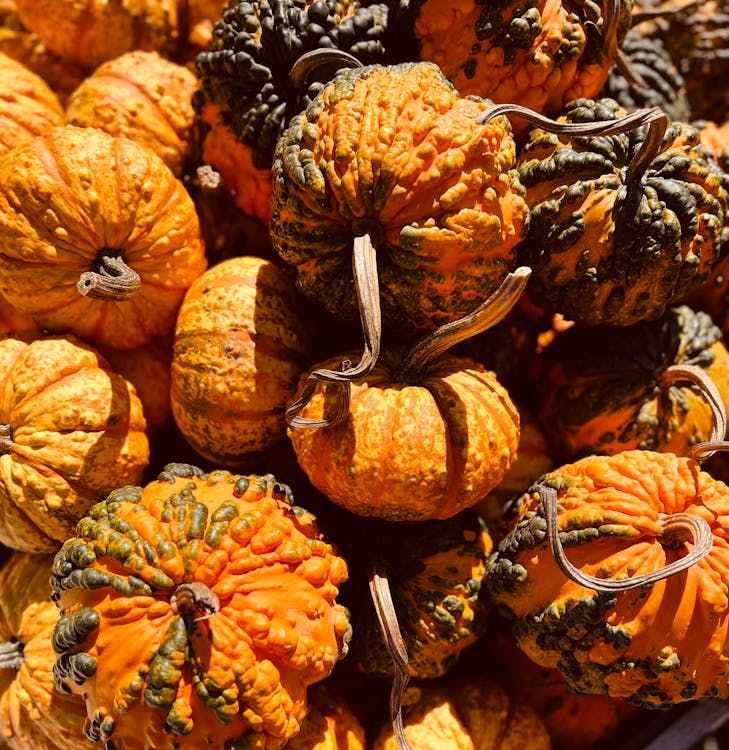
[71, 429]
[240, 344]
[623, 225]
[643, 614]
[650, 386]
[28, 106]
[33, 716]
[143, 96]
[250, 88]
[221, 596]
[97, 237]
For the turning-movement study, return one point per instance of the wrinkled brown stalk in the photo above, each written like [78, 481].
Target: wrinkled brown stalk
[305, 66]
[387, 617]
[11, 655]
[114, 281]
[611, 49]
[674, 526]
[708, 389]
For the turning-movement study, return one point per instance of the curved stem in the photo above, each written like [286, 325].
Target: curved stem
[6, 438]
[310, 61]
[702, 451]
[11, 655]
[699, 376]
[114, 281]
[487, 314]
[387, 617]
[366, 282]
[672, 525]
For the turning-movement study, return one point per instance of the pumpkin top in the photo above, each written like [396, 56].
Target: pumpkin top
[254, 45]
[229, 592]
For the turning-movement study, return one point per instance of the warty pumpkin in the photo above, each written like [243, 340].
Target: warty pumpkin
[617, 626]
[71, 429]
[539, 55]
[464, 712]
[33, 715]
[12, 320]
[28, 106]
[223, 593]
[423, 435]
[247, 92]
[606, 389]
[240, 344]
[622, 226]
[143, 96]
[97, 237]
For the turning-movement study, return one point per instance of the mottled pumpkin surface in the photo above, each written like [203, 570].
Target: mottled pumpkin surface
[33, 715]
[396, 152]
[187, 676]
[607, 252]
[410, 452]
[653, 646]
[434, 571]
[28, 105]
[89, 32]
[240, 345]
[143, 96]
[71, 196]
[72, 430]
[540, 54]
[466, 713]
[607, 389]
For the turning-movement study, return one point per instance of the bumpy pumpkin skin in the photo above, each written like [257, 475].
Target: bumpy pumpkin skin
[143, 96]
[238, 675]
[655, 646]
[240, 345]
[464, 713]
[28, 106]
[434, 571]
[33, 715]
[72, 430]
[68, 197]
[603, 390]
[538, 54]
[595, 258]
[410, 452]
[90, 32]
[394, 150]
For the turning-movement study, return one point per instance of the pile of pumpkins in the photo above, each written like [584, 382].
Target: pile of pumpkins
[372, 390]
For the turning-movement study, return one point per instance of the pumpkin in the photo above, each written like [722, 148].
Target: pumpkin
[394, 203]
[223, 593]
[240, 344]
[28, 106]
[97, 237]
[423, 435]
[147, 368]
[12, 320]
[606, 389]
[622, 226]
[539, 55]
[33, 716]
[643, 614]
[89, 33]
[433, 571]
[574, 722]
[247, 93]
[143, 96]
[330, 724]
[465, 712]
[71, 429]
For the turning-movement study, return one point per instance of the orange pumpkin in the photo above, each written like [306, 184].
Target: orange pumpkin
[97, 237]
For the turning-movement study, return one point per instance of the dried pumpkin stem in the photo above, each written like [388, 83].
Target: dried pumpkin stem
[367, 285]
[708, 389]
[387, 617]
[611, 49]
[114, 281]
[703, 450]
[306, 65]
[6, 438]
[11, 655]
[486, 315]
[675, 526]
